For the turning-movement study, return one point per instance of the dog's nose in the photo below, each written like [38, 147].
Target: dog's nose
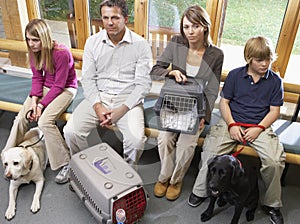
[8, 176]
[214, 191]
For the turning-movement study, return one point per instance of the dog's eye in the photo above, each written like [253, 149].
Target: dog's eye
[213, 170]
[5, 164]
[16, 163]
[221, 173]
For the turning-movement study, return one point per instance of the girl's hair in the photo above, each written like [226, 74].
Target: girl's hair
[259, 47]
[197, 15]
[40, 29]
[116, 3]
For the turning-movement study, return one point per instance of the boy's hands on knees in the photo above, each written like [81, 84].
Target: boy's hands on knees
[237, 133]
[252, 133]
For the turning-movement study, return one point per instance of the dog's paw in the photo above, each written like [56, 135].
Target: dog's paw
[205, 216]
[35, 206]
[250, 215]
[221, 202]
[10, 213]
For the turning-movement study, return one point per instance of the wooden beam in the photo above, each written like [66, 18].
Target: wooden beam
[33, 9]
[287, 36]
[13, 45]
[82, 21]
[216, 10]
[141, 17]
[20, 46]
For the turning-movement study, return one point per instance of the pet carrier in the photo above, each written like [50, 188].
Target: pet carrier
[180, 106]
[106, 183]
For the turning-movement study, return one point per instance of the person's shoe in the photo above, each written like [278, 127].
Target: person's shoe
[160, 189]
[173, 191]
[275, 214]
[63, 175]
[195, 201]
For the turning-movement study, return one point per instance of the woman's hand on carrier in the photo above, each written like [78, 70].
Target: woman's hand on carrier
[179, 77]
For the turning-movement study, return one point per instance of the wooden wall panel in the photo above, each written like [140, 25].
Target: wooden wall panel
[82, 21]
[141, 17]
[33, 9]
[217, 11]
[15, 19]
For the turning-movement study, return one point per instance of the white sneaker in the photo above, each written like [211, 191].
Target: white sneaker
[63, 175]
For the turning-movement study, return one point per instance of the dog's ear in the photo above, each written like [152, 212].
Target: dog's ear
[27, 159]
[237, 171]
[210, 164]
[2, 157]
[210, 161]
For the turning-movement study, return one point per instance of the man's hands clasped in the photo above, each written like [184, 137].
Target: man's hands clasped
[109, 117]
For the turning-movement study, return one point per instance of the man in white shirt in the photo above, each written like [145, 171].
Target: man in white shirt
[115, 80]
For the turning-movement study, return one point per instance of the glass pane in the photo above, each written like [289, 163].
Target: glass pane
[245, 19]
[164, 21]
[95, 13]
[168, 13]
[55, 13]
[2, 33]
[292, 74]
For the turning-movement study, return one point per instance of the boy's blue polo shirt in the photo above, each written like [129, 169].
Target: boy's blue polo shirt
[249, 101]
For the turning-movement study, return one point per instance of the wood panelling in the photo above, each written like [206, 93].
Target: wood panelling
[82, 22]
[14, 19]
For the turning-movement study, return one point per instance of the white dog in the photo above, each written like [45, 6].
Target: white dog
[24, 164]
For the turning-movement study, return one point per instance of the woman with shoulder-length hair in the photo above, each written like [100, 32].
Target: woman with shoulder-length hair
[191, 55]
[54, 85]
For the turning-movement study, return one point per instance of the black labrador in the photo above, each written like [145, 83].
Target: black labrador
[227, 181]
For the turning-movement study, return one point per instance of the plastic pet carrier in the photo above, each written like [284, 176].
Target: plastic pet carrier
[180, 107]
[106, 183]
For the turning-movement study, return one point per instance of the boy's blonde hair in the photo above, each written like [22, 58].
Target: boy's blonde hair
[259, 47]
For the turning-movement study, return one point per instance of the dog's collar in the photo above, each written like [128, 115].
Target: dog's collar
[27, 146]
[240, 163]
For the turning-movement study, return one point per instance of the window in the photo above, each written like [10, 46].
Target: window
[245, 19]
[292, 74]
[164, 21]
[55, 13]
[95, 13]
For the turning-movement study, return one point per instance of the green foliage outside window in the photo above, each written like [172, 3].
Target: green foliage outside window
[244, 18]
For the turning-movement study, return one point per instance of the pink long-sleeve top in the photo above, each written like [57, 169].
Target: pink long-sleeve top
[64, 75]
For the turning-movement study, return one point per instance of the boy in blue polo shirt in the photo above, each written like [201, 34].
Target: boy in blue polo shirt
[251, 95]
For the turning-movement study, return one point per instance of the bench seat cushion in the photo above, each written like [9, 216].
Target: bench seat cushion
[15, 89]
[290, 138]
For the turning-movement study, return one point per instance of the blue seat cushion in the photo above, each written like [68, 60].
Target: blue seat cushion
[15, 89]
[290, 138]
